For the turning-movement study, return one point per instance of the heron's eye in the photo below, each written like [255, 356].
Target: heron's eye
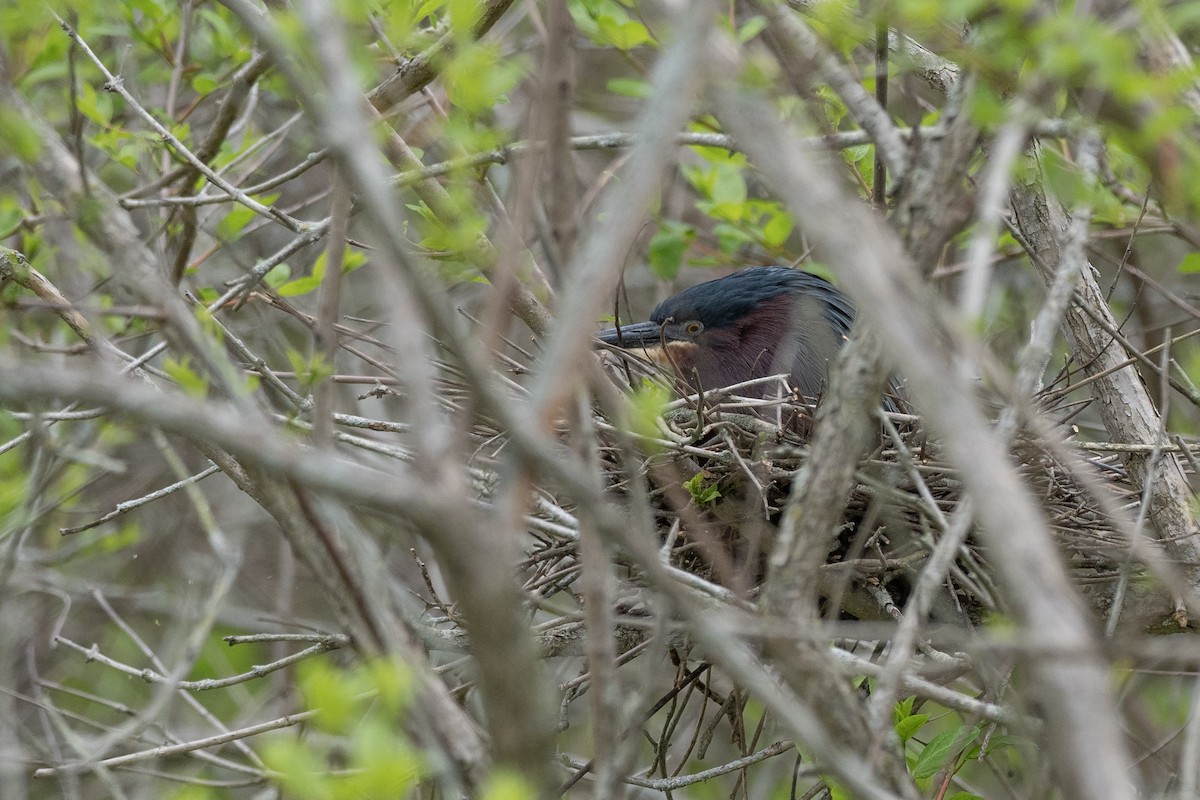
[693, 328]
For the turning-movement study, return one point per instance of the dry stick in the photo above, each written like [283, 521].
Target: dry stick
[1082, 734]
[275, 139]
[1118, 387]
[853, 665]
[120, 708]
[409, 78]
[325, 338]
[879, 190]
[179, 62]
[680, 781]
[180, 414]
[1180, 446]
[845, 430]
[721, 635]
[596, 267]
[1114, 615]
[77, 122]
[517, 710]
[116, 84]
[558, 72]
[1097, 485]
[709, 629]
[617, 140]
[14, 267]
[1138, 358]
[188, 699]
[93, 653]
[1032, 364]
[113, 230]
[932, 68]
[416, 73]
[223, 425]
[1189, 761]
[1167, 54]
[992, 206]
[185, 747]
[115, 233]
[800, 46]
[684, 683]
[597, 584]
[239, 90]
[1108, 325]
[228, 558]
[525, 301]
[124, 507]
[904, 642]
[1124, 404]
[599, 258]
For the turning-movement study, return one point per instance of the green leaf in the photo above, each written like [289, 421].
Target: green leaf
[1065, 179]
[504, 784]
[11, 216]
[205, 82]
[837, 791]
[730, 238]
[986, 106]
[622, 34]
[702, 495]
[716, 155]
[477, 77]
[352, 259]
[778, 229]
[299, 769]
[941, 749]
[278, 275]
[17, 136]
[1190, 264]
[394, 681]
[318, 270]
[326, 688]
[300, 286]
[1003, 742]
[629, 87]
[180, 371]
[645, 407]
[906, 728]
[383, 764]
[309, 370]
[96, 106]
[751, 28]
[463, 15]
[857, 153]
[129, 534]
[730, 185]
[233, 222]
[666, 249]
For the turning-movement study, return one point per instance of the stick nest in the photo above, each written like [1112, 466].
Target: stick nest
[720, 473]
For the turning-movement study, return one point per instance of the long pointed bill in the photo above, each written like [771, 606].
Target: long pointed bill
[640, 334]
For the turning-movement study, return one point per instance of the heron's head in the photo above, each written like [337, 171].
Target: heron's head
[753, 323]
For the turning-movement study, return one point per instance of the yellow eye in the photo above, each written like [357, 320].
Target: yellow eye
[693, 328]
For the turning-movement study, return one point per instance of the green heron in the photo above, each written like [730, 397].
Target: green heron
[756, 322]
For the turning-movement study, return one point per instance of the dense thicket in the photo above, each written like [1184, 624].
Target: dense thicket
[313, 483]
